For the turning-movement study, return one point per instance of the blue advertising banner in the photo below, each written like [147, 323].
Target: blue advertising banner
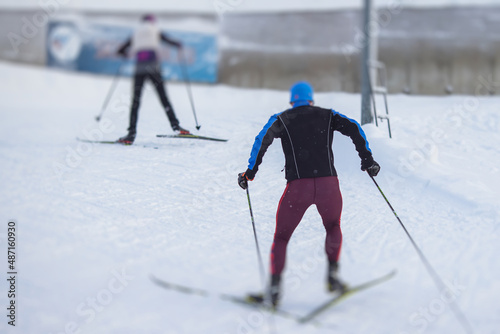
[92, 48]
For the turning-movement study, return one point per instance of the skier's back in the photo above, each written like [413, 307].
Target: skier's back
[306, 134]
[145, 46]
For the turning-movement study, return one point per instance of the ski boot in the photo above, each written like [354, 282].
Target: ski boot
[333, 281]
[274, 290]
[179, 130]
[128, 139]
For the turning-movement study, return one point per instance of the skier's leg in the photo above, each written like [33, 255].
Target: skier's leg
[296, 198]
[136, 100]
[155, 75]
[134, 109]
[329, 203]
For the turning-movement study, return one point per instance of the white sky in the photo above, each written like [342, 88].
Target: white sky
[210, 6]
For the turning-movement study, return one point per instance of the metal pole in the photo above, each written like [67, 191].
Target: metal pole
[110, 91]
[183, 63]
[366, 112]
[441, 286]
[261, 264]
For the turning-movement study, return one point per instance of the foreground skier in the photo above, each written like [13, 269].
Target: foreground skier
[306, 134]
[145, 43]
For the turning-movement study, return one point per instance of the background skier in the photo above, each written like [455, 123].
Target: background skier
[145, 44]
[306, 134]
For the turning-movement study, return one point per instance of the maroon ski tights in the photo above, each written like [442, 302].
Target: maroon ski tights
[298, 196]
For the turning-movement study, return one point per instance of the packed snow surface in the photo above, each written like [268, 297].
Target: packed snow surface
[95, 221]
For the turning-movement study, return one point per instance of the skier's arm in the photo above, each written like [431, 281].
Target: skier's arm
[123, 50]
[170, 41]
[265, 138]
[352, 129]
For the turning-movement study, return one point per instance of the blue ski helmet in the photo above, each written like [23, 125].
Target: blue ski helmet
[301, 91]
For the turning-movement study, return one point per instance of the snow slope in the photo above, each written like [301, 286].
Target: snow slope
[96, 220]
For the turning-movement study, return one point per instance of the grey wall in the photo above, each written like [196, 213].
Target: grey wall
[426, 51]
[444, 47]
[272, 50]
[21, 41]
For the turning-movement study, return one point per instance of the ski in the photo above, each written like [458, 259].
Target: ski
[346, 294]
[258, 301]
[98, 141]
[244, 301]
[191, 136]
[260, 305]
[111, 142]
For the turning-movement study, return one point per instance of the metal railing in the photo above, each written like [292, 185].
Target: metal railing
[378, 85]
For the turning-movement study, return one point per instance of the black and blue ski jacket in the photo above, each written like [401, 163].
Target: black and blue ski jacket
[306, 134]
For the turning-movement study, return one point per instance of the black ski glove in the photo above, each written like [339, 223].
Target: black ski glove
[371, 166]
[242, 181]
[243, 178]
[177, 44]
[122, 54]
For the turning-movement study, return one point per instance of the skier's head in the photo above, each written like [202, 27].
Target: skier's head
[301, 93]
[148, 18]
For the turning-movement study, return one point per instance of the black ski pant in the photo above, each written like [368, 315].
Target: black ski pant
[151, 71]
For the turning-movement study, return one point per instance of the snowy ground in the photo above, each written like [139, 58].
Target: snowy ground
[95, 221]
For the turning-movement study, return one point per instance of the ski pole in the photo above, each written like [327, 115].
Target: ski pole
[432, 272]
[110, 92]
[261, 265]
[272, 324]
[183, 63]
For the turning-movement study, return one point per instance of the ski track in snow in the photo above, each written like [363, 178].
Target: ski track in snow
[177, 212]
